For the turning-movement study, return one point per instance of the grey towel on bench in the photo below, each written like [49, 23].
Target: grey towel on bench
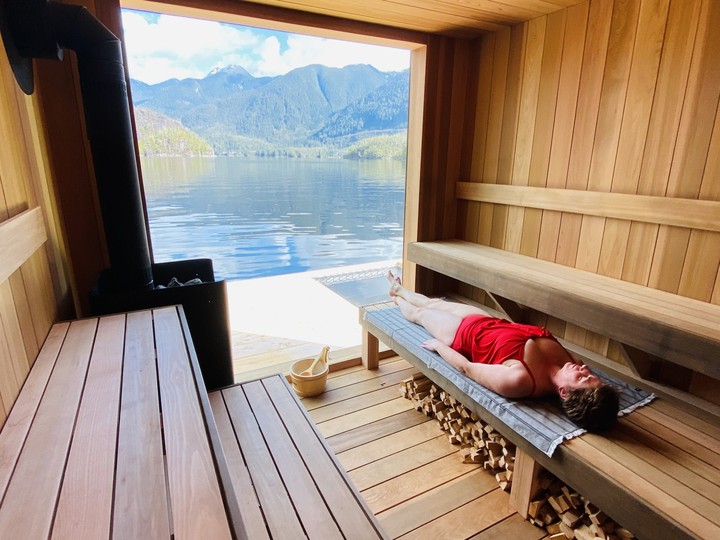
[540, 421]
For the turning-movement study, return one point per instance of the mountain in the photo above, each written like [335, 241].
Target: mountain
[310, 106]
[385, 108]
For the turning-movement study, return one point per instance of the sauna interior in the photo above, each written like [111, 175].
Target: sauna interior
[524, 115]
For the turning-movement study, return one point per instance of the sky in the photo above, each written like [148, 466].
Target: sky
[162, 47]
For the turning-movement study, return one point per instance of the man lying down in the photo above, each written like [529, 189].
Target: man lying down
[511, 359]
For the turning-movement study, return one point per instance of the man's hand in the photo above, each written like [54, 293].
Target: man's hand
[433, 345]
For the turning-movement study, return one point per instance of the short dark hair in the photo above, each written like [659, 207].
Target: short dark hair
[594, 409]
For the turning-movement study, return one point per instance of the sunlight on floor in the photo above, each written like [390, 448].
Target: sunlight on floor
[291, 312]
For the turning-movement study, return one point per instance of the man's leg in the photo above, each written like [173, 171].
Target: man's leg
[441, 324]
[422, 301]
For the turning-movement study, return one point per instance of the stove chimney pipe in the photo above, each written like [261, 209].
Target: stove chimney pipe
[41, 29]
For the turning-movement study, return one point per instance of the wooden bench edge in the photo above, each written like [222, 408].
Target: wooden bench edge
[230, 500]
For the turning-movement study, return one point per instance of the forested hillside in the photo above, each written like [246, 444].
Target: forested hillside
[159, 135]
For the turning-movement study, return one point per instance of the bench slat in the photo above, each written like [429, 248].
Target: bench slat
[648, 466]
[703, 439]
[689, 446]
[28, 513]
[628, 438]
[682, 330]
[251, 513]
[345, 503]
[281, 518]
[688, 419]
[637, 297]
[694, 522]
[640, 300]
[141, 502]
[91, 462]
[198, 510]
[308, 502]
[22, 414]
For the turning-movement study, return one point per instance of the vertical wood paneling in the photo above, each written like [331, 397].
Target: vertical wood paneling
[593, 67]
[631, 111]
[528, 108]
[544, 125]
[663, 131]
[640, 94]
[607, 135]
[495, 119]
[28, 302]
[700, 273]
[690, 156]
[563, 122]
[508, 133]
[485, 56]
[461, 122]
[627, 100]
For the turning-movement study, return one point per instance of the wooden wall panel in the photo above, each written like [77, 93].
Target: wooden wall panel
[610, 96]
[29, 296]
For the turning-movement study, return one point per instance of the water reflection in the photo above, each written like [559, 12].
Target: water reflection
[264, 217]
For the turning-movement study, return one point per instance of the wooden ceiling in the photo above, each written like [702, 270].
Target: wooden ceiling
[455, 18]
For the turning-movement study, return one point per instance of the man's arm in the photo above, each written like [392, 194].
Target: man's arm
[510, 381]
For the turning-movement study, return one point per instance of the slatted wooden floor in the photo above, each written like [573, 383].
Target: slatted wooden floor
[412, 478]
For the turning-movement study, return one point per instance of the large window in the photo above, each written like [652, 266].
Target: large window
[269, 152]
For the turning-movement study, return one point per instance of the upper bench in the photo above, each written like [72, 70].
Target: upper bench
[675, 328]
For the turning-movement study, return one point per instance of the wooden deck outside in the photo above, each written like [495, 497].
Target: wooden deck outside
[277, 320]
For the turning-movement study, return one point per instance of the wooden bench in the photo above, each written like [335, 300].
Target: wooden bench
[114, 433]
[644, 320]
[111, 433]
[658, 472]
[291, 482]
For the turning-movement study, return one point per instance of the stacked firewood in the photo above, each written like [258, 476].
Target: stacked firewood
[480, 443]
[566, 514]
[556, 508]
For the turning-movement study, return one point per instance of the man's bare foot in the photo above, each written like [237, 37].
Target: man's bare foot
[394, 284]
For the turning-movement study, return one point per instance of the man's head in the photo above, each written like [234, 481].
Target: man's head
[594, 408]
[574, 376]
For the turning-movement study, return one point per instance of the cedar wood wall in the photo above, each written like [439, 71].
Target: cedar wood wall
[617, 96]
[32, 296]
[606, 96]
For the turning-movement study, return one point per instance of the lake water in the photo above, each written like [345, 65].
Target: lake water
[265, 217]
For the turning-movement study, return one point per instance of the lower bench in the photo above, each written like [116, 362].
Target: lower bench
[113, 435]
[657, 473]
[288, 481]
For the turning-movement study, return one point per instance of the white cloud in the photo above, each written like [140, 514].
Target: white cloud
[176, 47]
[305, 50]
